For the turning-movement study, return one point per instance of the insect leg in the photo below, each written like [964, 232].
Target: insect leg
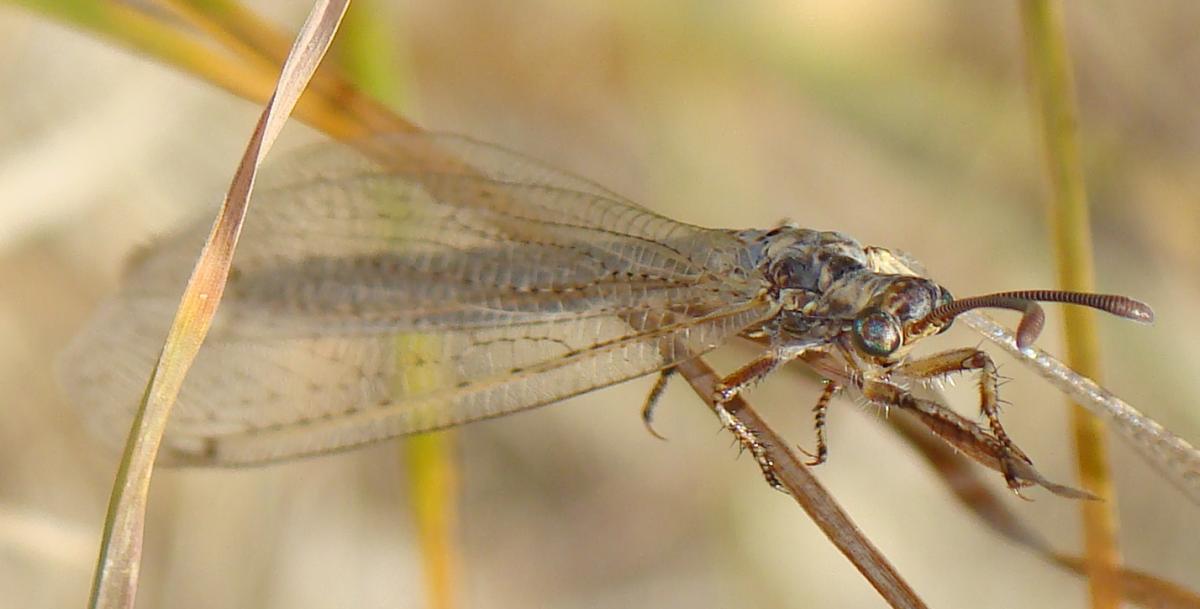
[749, 441]
[755, 371]
[660, 385]
[747, 375]
[961, 360]
[939, 365]
[819, 411]
[960, 432]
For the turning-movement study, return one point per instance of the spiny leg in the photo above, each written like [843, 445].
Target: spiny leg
[962, 360]
[747, 375]
[759, 368]
[755, 371]
[938, 365]
[819, 411]
[962, 433]
[660, 385]
[750, 442]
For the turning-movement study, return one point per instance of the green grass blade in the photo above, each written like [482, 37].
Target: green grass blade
[1052, 86]
[370, 57]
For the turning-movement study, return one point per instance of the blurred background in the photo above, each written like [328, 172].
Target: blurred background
[905, 123]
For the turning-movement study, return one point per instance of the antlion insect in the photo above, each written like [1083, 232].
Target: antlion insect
[454, 281]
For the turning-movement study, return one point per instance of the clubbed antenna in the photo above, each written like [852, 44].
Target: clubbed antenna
[1033, 318]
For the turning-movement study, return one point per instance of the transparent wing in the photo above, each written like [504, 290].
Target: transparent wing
[374, 299]
[1177, 459]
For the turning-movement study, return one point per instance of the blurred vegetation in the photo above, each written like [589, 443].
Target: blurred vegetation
[371, 56]
[906, 124]
[1052, 86]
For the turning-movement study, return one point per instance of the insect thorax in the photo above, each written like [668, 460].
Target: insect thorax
[824, 283]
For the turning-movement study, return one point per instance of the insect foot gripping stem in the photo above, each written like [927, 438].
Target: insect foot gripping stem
[752, 444]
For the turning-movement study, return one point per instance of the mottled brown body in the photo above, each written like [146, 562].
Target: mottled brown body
[855, 324]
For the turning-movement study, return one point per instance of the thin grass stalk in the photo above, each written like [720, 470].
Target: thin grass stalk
[244, 33]
[433, 494]
[790, 474]
[119, 560]
[369, 54]
[1053, 95]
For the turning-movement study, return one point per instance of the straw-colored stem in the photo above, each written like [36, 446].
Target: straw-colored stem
[249, 36]
[370, 59]
[1052, 88]
[119, 562]
[784, 468]
[168, 43]
[433, 490]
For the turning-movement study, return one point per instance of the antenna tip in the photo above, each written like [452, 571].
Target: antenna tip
[1138, 311]
[1122, 306]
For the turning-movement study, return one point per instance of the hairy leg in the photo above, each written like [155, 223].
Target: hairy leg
[964, 434]
[819, 411]
[963, 360]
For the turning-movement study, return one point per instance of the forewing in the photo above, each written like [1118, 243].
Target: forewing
[373, 299]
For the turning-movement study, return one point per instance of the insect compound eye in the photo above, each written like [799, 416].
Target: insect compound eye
[877, 333]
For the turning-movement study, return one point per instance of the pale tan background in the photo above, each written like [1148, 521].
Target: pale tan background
[905, 123]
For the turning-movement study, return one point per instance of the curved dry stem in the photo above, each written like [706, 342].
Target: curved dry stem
[785, 469]
[119, 560]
